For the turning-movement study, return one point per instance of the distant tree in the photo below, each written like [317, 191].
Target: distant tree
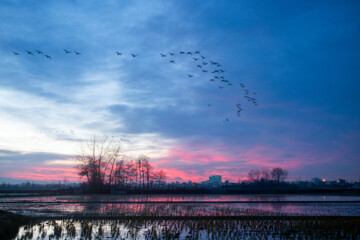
[97, 161]
[279, 174]
[160, 176]
[254, 175]
[265, 174]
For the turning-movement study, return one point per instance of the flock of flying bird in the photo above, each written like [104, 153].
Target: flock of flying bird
[201, 63]
[43, 54]
[217, 75]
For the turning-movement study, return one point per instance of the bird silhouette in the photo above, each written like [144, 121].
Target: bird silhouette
[204, 63]
[16, 53]
[197, 52]
[47, 56]
[181, 52]
[172, 61]
[162, 55]
[171, 54]
[195, 59]
[199, 66]
[212, 80]
[66, 51]
[221, 87]
[119, 53]
[133, 55]
[77, 53]
[39, 52]
[205, 70]
[190, 76]
[190, 53]
[209, 105]
[30, 53]
[202, 57]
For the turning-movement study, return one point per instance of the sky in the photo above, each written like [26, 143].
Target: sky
[298, 59]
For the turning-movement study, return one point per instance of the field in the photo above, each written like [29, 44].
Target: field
[188, 217]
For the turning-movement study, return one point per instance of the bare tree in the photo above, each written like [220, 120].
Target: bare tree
[254, 175]
[265, 174]
[97, 160]
[279, 174]
[160, 176]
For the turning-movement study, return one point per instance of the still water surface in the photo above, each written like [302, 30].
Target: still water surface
[184, 205]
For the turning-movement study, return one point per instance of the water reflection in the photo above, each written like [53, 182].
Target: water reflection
[192, 229]
[175, 198]
[185, 209]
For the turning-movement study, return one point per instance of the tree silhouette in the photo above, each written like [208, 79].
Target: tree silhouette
[279, 174]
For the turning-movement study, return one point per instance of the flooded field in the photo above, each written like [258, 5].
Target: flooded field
[193, 229]
[188, 216]
[192, 205]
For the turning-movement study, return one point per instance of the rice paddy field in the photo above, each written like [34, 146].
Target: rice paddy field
[188, 217]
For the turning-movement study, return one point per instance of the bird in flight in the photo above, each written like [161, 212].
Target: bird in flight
[221, 87]
[197, 52]
[77, 53]
[199, 66]
[162, 55]
[181, 52]
[202, 57]
[171, 54]
[205, 71]
[30, 53]
[66, 51]
[226, 120]
[133, 55]
[47, 56]
[204, 63]
[190, 53]
[16, 53]
[190, 76]
[172, 61]
[119, 53]
[39, 52]
[195, 59]
[209, 105]
[212, 80]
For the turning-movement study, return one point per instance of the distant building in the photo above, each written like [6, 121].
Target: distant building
[316, 180]
[215, 179]
[341, 181]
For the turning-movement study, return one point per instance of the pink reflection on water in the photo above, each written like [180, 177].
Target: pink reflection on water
[179, 198]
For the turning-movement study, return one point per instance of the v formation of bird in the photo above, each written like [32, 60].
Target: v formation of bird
[201, 64]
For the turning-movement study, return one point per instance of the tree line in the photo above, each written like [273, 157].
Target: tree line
[103, 165]
[276, 174]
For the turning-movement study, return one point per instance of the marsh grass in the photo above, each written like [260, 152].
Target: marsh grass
[246, 228]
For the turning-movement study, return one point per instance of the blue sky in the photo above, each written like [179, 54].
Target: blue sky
[300, 58]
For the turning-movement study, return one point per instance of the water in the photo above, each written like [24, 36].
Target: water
[184, 205]
[192, 229]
